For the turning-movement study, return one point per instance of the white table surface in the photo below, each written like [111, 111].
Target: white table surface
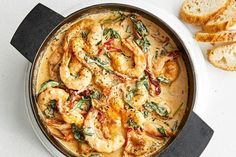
[16, 135]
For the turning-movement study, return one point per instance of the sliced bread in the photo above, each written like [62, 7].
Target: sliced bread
[222, 21]
[223, 57]
[219, 37]
[199, 11]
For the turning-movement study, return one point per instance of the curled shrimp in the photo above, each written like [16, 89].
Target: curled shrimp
[53, 119]
[140, 97]
[88, 33]
[79, 82]
[138, 143]
[119, 61]
[54, 64]
[50, 94]
[103, 133]
[157, 129]
[166, 66]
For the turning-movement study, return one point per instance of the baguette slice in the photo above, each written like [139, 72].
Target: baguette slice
[222, 21]
[219, 37]
[199, 11]
[223, 57]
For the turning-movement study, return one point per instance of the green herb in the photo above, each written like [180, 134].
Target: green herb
[78, 133]
[128, 97]
[110, 33]
[99, 63]
[51, 108]
[160, 110]
[132, 123]
[98, 43]
[96, 95]
[143, 43]
[83, 104]
[107, 55]
[180, 106]
[143, 81]
[163, 79]
[127, 28]
[162, 131]
[175, 126]
[156, 53]
[74, 75]
[47, 84]
[88, 131]
[145, 113]
[84, 34]
[139, 26]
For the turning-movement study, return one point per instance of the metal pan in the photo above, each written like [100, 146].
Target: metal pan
[39, 26]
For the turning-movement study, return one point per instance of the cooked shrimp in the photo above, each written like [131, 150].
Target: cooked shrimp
[167, 67]
[140, 97]
[77, 30]
[103, 133]
[157, 129]
[138, 143]
[171, 70]
[88, 33]
[93, 38]
[52, 94]
[119, 62]
[54, 64]
[76, 83]
[58, 127]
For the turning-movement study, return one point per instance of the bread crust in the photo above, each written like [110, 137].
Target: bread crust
[200, 20]
[211, 53]
[211, 28]
[220, 37]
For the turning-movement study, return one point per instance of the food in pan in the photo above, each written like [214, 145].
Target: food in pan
[112, 84]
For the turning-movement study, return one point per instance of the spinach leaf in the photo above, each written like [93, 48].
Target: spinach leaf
[98, 62]
[143, 81]
[139, 26]
[47, 84]
[51, 108]
[78, 133]
[143, 43]
[162, 131]
[96, 95]
[163, 79]
[159, 109]
[83, 104]
[175, 126]
[110, 33]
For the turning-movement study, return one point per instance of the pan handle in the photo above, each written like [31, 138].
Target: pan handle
[34, 29]
[192, 140]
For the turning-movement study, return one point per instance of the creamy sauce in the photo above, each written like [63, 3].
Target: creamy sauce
[173, 93]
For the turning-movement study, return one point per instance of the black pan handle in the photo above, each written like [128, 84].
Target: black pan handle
[34, 29]
[192, 140]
